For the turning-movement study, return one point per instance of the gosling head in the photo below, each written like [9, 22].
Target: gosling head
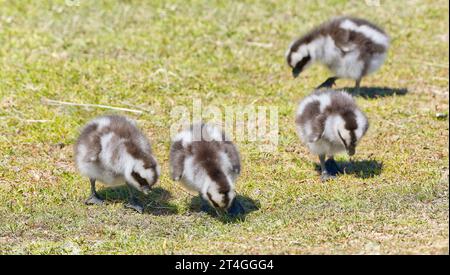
[219, 191]
[350, 127]
[143, 175]
[298, 57]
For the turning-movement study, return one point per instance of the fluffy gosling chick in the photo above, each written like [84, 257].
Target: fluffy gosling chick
[111, 149]
[203, 159]
[329, 122]
[350, 47]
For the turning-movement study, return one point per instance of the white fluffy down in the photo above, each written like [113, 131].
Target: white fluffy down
[329, 143]
[324, 50]
[111, 170]
[195, 179]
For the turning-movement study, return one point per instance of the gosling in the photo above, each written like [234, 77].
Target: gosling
[329, 122]
[350, 47]
[207, 163]
[111, 149]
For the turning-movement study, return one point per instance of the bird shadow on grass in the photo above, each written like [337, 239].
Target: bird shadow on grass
[375, 92]
[248, 204]
[361, 168]
[155, 203]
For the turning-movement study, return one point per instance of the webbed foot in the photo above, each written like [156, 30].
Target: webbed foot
[135, 205]
[326, 176]
[329, 83]
[94, 200]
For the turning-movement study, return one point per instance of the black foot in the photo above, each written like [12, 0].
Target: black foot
[236, 208]
[326, 176]
[332, 167]
[328, 83]
[136, 206]
[94, 200]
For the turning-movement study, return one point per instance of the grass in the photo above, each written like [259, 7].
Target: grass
[155, 56]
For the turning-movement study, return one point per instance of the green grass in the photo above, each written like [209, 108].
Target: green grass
[153, 57]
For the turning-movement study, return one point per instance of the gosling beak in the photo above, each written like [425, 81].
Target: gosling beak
[146, 190]
[296, 72]
[351, 151]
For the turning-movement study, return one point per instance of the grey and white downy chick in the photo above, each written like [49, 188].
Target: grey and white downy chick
[330, 122]
[111, 149]
[207, 163]
[350, 47]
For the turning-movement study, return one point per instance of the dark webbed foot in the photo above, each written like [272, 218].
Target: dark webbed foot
[134, 204]
[236, 208]
[326, 172]
[326, 176]
[94, 200]
[329, 83]
[329, 168]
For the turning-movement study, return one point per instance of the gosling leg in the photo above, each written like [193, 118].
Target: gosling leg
[330, 82]
[93, 198]
[325, 174]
